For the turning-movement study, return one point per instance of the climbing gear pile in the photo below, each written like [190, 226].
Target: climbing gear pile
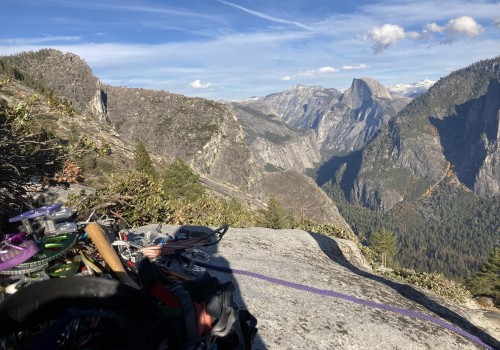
[92, 285]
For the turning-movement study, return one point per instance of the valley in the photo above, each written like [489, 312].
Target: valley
[410, 164]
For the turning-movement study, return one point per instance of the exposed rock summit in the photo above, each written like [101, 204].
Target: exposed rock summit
[310, 291]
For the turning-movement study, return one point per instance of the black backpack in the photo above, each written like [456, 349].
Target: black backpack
[100, 313]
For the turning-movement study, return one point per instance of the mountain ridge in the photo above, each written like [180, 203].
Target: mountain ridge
[204, 133]
[342, 121]
[416, 142]
[220, 146]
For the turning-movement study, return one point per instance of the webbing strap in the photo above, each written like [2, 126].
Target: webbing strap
[165, 295]
[189, 312]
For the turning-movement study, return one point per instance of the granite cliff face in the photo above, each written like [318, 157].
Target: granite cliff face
[201, 132]
[342, 122]
[451, 131]
[302, 106]
[274, 144]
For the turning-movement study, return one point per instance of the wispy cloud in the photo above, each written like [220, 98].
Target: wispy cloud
[39, 41]
[496, 22]
[266, 16]
[355, 67]
[319, 71]
[286, 78]
[157, 9]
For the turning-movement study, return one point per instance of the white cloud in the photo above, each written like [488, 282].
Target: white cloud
[464, 25]
[197, 84]
[354, 67]
[433, 27]
[319, 71]
[385, 36]
[286, 78]
[388, 34]
[496, 22]
[327, 70]
[455, 27]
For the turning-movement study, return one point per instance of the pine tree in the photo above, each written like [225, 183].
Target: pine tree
[275, 215]
[143, 162]
[180, 182]
[383, 243]
[487, 280]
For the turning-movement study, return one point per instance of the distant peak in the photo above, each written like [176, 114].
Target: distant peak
[307, 87]
[376, 88]
[413, 89]
[364, 89]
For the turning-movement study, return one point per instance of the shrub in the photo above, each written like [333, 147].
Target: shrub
[434, 281]
[212, 211]
[26, 150]
[181, 183]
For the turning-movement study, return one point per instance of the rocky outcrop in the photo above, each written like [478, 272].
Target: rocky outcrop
[488, 176]
[98, 105]
[363, 90]
[332, 306]
[66, 74]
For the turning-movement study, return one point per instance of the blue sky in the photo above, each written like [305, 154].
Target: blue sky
[223, 49]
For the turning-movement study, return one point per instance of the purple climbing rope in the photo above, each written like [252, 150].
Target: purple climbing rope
[359, 301]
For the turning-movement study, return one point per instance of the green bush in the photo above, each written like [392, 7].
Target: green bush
[140, 199]
[181, 183]
[213, 211]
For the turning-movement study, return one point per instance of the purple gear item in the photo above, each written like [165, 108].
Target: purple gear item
[12, 255]
[31, 214]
